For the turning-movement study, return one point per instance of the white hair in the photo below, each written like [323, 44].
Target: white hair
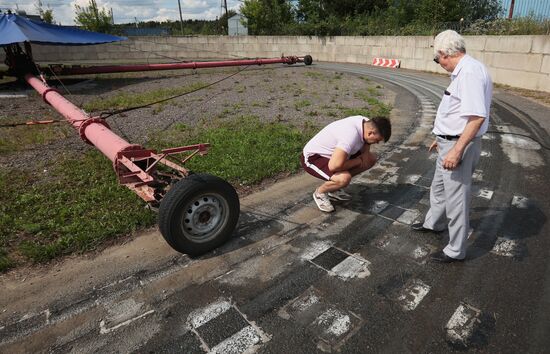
[449, 43]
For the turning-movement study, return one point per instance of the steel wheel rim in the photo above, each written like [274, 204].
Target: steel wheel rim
[203, 216]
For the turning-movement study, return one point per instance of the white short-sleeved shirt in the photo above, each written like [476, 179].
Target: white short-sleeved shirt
[346, 134]
[469, 94]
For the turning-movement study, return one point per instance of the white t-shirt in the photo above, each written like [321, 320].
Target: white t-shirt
[346, 134]
[469, 94]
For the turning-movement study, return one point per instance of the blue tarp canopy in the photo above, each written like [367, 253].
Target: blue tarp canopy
[16, 29]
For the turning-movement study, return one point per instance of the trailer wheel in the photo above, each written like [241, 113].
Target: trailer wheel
[198, 214]
[308, 60]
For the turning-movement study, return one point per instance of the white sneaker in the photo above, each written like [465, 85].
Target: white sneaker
[322, 201]
[340, 194]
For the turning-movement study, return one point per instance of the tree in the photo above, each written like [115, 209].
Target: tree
[482, 9]
[268, 17]
[45, 15]
[93, 18]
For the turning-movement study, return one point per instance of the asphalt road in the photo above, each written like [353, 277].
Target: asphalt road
[296, 280]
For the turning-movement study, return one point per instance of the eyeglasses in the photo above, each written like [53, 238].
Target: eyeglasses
[436, 59]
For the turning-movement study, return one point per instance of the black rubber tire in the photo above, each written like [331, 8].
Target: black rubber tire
[198, 214]
[308, 60]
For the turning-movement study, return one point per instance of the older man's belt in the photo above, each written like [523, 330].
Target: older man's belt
[449, 137]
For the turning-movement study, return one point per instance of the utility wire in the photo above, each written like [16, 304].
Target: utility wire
[108, 114]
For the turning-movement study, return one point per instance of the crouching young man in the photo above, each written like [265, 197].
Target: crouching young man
[340, 151]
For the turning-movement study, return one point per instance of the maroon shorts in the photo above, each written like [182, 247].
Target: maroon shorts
[317, 165]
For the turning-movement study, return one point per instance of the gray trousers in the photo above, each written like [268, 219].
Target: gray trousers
[450, 196]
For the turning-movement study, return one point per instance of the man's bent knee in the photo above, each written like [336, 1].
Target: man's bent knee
[342, 179]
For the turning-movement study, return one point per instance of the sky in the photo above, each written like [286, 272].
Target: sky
[125, 11]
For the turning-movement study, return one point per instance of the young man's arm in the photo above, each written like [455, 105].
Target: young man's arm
[339, 161]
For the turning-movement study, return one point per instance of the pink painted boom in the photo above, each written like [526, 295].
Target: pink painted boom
[94, 131]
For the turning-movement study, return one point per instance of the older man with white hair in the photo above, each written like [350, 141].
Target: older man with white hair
[462, 118]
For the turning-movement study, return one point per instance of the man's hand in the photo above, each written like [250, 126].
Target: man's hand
[368, 160]
[452, 159]
[433, 146]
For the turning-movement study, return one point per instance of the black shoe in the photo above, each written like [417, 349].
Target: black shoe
[441, 257]
[419, 226]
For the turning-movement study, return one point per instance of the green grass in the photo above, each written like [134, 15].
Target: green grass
[19, 138]
[301, 104]
[130, 99]
[377, 109]
[73, 207]
[244, 150]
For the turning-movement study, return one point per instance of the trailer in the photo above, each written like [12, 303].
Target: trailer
[196, 212]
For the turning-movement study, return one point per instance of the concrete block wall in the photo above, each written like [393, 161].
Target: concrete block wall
[519, 61]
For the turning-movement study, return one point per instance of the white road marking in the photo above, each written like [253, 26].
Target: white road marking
[485, 193]
[352, 267]
[478, 175]
[385, 241]
[379, 175]
[409, 147]
[520, 202]
[200, 316]
[412, 179]
[488, 137]
[462, 323]
[304, 303]
[505, 247]
[408, 217]
[300, 304]
[334, 322]
[486, 154]
[521, 150]
[104, 330]
[378, 206]
[122, 310]
[521, 142]
[420, 252]
[315, 249]
[241, 342]
[413, 294]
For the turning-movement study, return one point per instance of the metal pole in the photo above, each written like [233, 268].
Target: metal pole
[511, 12]
[181, 18]
[78, 70]
[226, 16]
